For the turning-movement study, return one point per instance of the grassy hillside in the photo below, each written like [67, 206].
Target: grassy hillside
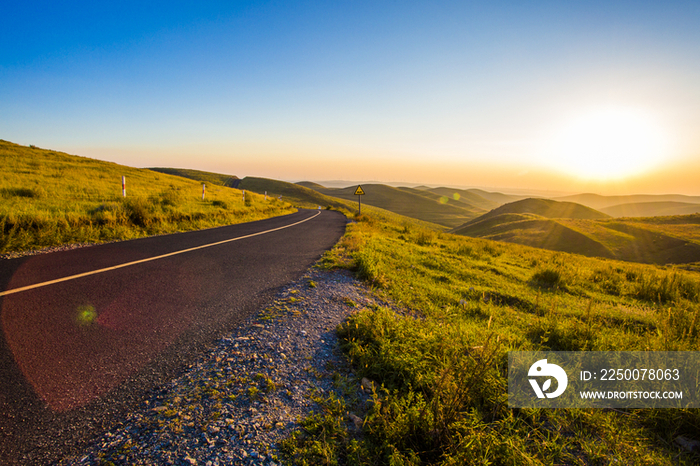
[203, 177]
[410, 202]
[49, 198]
[544, 208]
[498, 198]
[652, 209]
[311, 185]
[454, 199]
[466, 196]
[657, 240]
[536, 231]
[438, 366]
[680, 226]
[296, 194]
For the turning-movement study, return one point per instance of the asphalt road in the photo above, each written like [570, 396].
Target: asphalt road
[86, 333]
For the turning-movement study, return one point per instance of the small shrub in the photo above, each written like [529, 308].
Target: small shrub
[138, 212]
[490, 250]
[170, 197]
[547, 278]
[107, 214]
[31, 193]
[425, 238]
[220, 204]
[465, 250]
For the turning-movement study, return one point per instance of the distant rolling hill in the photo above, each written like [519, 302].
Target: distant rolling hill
[596, 201]
[476, 197]
[498, 198]
[311, 185]
[577, 229]
[652, 209]
[298, 195]
[541, 207]
[465, 196]
[198, 175]
[410, 202]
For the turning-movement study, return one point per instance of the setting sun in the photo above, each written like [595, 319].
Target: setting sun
[607, 144]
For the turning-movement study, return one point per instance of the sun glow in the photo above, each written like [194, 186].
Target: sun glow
[608, 144]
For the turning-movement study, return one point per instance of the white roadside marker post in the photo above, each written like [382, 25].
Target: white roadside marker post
[123, 186]
[204, 188]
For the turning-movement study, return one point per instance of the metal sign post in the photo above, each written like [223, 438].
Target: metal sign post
[359, 192]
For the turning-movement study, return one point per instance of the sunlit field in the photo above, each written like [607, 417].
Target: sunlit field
[440, 368]
[49, 198]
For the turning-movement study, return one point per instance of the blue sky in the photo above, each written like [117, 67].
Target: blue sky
[454, 93]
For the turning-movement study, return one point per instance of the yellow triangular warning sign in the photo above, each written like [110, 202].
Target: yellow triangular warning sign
[359, 191]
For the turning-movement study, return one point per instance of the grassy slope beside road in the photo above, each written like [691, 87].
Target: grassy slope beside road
[440, 369]
[48, 198]
[298, 195]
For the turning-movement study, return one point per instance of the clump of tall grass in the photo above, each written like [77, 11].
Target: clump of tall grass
[366, 219]
[677, 327]
[424, 237]
[31, 193]
[548, 278]
[170, 197]
[667, 287]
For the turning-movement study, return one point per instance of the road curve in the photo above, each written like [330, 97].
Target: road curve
[87, 332]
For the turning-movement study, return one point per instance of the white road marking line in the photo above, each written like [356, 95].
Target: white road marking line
[107, 269]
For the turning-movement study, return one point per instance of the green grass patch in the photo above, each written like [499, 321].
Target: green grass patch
[439, 369]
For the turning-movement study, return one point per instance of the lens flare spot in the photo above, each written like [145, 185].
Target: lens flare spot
[444, 200]
[456, 196]
[86, 315]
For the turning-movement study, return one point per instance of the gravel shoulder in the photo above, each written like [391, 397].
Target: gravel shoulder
[249, 389]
